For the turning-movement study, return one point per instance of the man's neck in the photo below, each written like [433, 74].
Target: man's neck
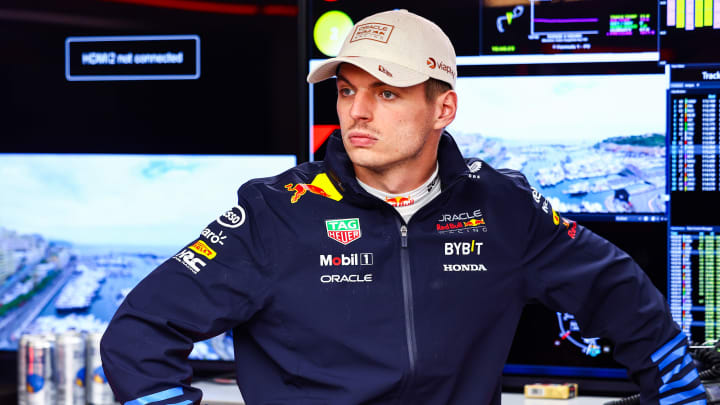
[396, 180]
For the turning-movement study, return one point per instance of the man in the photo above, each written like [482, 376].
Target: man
[393, 272]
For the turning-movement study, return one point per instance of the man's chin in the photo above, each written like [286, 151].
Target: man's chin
[364, 157]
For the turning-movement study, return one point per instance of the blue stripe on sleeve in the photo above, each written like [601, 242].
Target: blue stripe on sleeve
[158, 396]
[686, 360]
[661, 352]
[681, 396]
[679, 352]
[689, 378]
[188, 402]
[698, 402]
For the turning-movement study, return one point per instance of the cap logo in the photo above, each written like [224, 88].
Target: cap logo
[372, 31]
[432, 64]
[382, 69]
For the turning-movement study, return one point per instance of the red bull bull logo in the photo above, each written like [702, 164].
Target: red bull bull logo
[320, 185]
[301, 188]
[571, 227]
[474, 222]
[400, 201]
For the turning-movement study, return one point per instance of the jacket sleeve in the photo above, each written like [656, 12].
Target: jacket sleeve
[571, 269]
[211, 285]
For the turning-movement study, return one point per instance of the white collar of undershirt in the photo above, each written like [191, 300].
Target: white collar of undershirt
[410, 202]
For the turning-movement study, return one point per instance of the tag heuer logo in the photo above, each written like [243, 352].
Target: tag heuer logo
[343, 230]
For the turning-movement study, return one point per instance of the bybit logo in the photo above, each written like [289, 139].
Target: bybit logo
[462, 248]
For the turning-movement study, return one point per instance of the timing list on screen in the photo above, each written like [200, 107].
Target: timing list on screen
[693, 142]
[694, 274]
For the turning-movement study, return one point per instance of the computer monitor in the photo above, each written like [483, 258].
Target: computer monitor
[688, 31]
[694, 189]
[79, 231]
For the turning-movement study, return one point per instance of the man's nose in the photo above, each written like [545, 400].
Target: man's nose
[362, 105]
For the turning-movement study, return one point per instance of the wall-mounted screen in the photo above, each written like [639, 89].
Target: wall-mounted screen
[592, 143]
[78, 231]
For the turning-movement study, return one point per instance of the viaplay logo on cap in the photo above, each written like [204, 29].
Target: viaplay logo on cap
[432, 64]
[343, 230]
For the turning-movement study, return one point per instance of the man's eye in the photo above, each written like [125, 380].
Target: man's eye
[346, 91]
[387, 94]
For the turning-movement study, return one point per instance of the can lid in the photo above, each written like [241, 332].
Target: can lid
[70, 336]
[39, 341]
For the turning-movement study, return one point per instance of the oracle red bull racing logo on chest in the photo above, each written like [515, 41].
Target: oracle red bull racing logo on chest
[343, 230]
[461, 222]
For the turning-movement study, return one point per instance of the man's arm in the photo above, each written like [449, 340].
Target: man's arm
[571, 269]
[214, 283]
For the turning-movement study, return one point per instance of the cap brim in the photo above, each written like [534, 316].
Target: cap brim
[387, 72]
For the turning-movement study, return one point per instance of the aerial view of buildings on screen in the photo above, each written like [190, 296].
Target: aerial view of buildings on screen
[588, 143]
[78, 232]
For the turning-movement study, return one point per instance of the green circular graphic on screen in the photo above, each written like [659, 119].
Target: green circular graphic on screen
[330, 31]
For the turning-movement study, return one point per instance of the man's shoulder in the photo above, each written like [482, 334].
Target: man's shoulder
[302, 173]
[488, 176]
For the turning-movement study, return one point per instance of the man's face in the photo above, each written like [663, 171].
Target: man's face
[384, 127]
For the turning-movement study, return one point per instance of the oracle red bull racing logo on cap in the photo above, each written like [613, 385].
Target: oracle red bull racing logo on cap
[373, 31]
[343, 230]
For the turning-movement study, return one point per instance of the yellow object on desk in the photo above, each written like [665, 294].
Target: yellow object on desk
[557, 391]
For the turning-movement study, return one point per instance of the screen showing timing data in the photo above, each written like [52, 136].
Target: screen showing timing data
[568, 26]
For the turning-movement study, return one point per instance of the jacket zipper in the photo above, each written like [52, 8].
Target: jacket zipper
[408, 296]
[408, 300]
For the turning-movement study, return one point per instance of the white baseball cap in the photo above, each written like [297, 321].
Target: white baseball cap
[397, 47]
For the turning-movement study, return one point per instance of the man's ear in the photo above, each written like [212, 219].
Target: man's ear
[446, 107]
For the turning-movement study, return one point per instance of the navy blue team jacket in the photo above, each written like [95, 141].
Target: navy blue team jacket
[334, 300]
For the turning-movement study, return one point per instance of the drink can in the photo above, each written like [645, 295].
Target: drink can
[97, 389]
[39, 371]
[70, 361]
[22, 369]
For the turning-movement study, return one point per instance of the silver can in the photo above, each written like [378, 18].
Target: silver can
[50, 337]
[97, 389]
[39, 371]
[70, 362]
[22, 368]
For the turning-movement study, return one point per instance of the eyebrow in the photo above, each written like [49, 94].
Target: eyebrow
[373, 84]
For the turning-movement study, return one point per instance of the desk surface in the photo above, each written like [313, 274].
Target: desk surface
[228, 394]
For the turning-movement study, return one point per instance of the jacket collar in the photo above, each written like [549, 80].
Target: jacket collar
[340, 169]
